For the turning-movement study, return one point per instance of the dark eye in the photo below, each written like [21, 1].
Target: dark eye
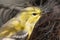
[34, 14]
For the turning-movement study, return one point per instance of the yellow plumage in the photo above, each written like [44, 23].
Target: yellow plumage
[24, 21]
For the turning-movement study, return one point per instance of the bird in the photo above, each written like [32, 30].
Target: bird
[23, 21]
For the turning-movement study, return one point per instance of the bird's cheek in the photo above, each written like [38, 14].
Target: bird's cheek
[31, 23]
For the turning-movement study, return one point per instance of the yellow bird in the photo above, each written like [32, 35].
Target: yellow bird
[24, 21]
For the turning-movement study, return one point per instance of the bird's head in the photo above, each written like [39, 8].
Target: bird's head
[29, 14]
[29, 17]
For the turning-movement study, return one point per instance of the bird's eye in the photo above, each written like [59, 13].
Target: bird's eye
[34, 14]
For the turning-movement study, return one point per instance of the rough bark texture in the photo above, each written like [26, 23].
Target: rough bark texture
[48, 27]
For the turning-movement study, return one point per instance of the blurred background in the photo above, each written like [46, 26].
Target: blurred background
[9, 8]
